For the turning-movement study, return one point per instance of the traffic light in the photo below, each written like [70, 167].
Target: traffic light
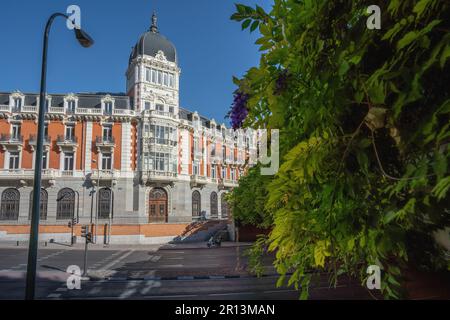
[89, 237]
[84, 231]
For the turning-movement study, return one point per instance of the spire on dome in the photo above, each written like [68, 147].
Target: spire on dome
[154, 26]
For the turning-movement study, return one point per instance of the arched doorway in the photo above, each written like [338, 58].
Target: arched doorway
[214, 205]
[224, 206]
[196, 204]
[65, 200]
[105, 203]
[10, 204]
[158, 206]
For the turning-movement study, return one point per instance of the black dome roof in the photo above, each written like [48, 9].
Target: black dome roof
[151, 42]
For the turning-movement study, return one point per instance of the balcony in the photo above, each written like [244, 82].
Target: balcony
[105, 143]
[57, 110]
[33, 141]
[105, 174]
[7, 140]
[227, 183]
[153, 113]
[165, 142]
[198, 181]
[216, 158]
[158, 176]
[5, 108]
[229, 160]
[89, 111]
[26, 174]
[67, 142]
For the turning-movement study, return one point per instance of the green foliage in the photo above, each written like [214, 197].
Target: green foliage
[248, 202]
[364, 120]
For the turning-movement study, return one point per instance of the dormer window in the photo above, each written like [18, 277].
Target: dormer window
[71, 106]
[17, 103]
[108, 107]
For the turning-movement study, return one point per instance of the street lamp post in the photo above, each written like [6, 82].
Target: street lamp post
[86, 41]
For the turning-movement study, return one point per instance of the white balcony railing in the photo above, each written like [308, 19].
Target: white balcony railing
[105, 174]
[153, 113]
[197, 179]
[5, 108]
[27, 174]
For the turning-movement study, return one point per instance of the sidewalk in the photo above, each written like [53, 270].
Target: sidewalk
[203, 245]
[138, 247]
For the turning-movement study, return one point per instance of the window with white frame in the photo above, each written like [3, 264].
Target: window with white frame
[17, 103]
[213, 172]
[14, 160]
[224, 173]
[224, 152]
[233, 175]
[196, 168]
[171, 81]
[15, 131]
[68, 161]
[159, 161]
[159, 107]
[147, 105]
[71, 105]
[160, 134]
[45, 160]
[154, 76]
[70, 132]
[160, 77]
[106, 161]
[148, 75]
[108, 107]
[107, 132]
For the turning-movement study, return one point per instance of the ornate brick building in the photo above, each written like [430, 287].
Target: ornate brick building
[137, 165]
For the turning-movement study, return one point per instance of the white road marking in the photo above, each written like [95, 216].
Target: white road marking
[230, 294]
[278, 291]
[172, 266]
[112, 263]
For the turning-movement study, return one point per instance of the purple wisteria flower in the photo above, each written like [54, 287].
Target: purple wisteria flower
[282, 82]
[239, 109]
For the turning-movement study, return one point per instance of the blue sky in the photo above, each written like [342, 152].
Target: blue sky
[211, 47]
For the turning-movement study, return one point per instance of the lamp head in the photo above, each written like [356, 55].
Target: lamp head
[83, 38]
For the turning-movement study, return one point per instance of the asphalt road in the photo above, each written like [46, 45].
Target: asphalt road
[153, 273]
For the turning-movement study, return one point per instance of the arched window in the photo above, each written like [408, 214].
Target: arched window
[10, 204]
[196, 204]
[44, 204]
[214, 206]
[224, 206]
[104, 203]
[65, 208]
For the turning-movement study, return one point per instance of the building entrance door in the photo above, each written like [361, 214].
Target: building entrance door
[158, 206]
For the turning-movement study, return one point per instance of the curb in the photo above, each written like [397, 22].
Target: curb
[185, 278]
